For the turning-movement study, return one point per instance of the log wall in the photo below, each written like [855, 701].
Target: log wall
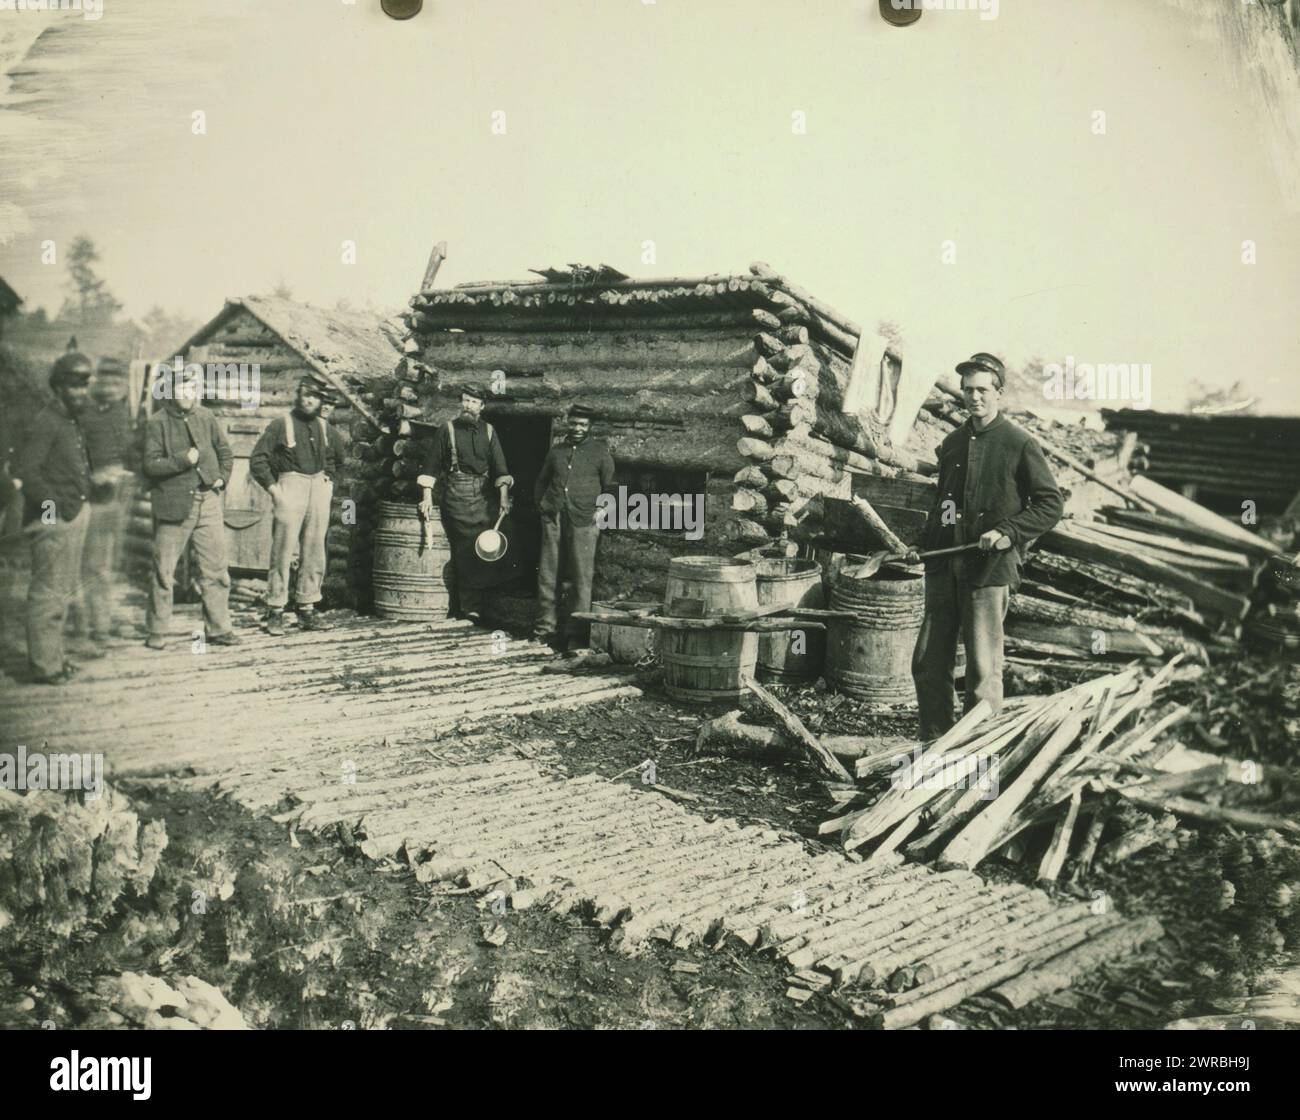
[740, 378]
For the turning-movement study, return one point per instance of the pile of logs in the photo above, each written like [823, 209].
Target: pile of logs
[796, 434]
[1042, 762]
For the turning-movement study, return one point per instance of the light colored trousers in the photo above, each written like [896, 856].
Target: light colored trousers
[99, 562]
[56, 574]
[953, 607]
[302, 516]
[206, 527]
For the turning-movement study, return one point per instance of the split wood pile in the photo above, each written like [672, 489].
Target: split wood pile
[1057, 763]
[1274, 625]
[1275, 1005]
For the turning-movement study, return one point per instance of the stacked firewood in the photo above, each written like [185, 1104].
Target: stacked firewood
[1044, 761]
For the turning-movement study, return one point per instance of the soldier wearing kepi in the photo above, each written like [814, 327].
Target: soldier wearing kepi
[188, 462]
[466, 462]
[993, 483]
[574, 475]
[294, 461]
[106, 424]
[55, 473]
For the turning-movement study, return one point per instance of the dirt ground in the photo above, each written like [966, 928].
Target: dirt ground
[303, 932]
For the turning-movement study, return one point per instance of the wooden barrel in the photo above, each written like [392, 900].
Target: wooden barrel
[701, 666]
[792, 655]
[626, 645]
[409, 578]
[870, 657]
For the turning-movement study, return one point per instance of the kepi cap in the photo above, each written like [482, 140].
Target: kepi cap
[983, 363]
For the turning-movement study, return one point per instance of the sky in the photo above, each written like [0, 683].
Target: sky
[948, 177]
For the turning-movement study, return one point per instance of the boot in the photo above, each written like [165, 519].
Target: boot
[275, 623]
[311, 620]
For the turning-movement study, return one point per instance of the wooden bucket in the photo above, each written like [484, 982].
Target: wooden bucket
[792, 655]
[409, 580]
[706, 665]
[870, 656]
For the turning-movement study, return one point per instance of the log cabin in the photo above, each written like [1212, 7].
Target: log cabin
[744, 389]
[255, 350]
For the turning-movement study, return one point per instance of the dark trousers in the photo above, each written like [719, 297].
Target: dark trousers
[570, 547]
[953, 607]
[56, 581]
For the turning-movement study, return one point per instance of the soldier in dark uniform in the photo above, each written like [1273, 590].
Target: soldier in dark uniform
[465, 463]
[994, 483]
[55, 473]
[574, 475]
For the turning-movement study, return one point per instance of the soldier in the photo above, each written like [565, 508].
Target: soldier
[466, 461]
[574, 475]
[294, 461]
[55, 476]
[188, 460]
[106, 424]
[993, 482]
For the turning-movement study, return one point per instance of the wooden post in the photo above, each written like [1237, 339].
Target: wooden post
[436, 258]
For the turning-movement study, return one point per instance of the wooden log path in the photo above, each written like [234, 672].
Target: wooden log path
[342, 727]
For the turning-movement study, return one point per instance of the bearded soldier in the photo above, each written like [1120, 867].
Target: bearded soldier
[466, 462]
[294, 461]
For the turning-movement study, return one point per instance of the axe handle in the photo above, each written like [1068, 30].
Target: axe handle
[972, 547]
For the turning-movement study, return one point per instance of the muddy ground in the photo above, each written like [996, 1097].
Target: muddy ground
[302, 932]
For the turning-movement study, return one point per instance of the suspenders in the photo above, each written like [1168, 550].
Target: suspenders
[451, 443]
[291, 443]
[288, 432]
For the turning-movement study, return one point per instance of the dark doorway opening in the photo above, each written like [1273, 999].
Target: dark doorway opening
[525, 441]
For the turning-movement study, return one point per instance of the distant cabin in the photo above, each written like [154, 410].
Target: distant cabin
[255, 351]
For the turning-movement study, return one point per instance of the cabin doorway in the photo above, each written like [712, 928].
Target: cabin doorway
[525, 441]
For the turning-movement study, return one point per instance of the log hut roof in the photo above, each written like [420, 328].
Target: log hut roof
[446, 307]
[343, 347]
